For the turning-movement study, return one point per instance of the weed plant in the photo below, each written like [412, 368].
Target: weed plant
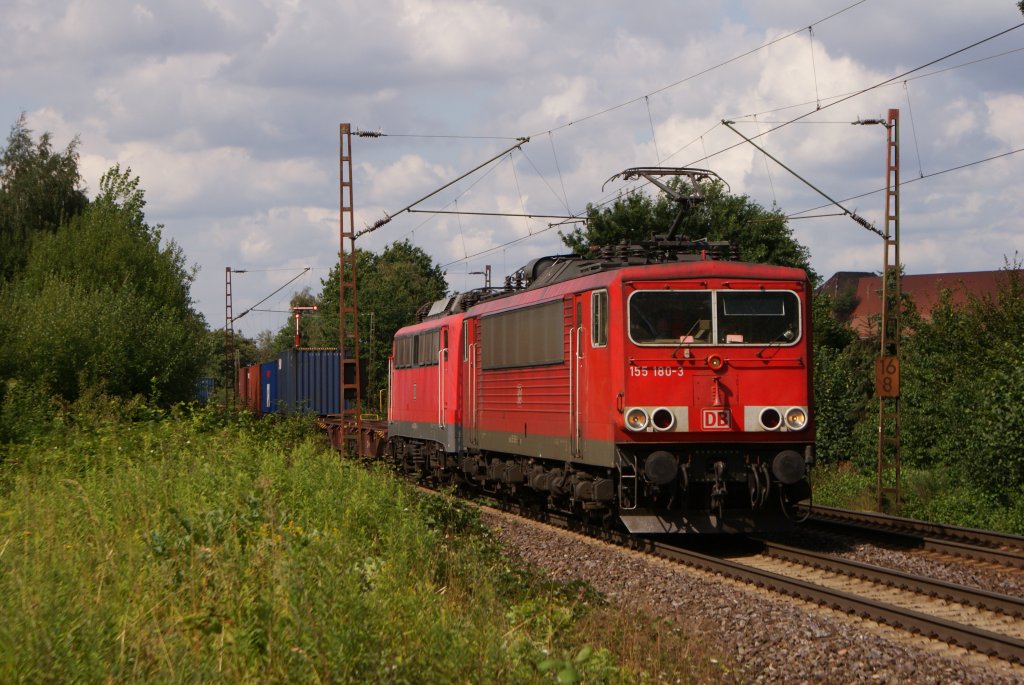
[201, 547]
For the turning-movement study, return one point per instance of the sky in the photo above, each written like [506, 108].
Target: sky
[229, 114]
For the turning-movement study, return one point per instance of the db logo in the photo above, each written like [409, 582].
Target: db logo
[716, 419]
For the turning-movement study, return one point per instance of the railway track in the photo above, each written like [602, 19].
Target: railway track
[967, 543]
[985, 622]
[977, 620]
[996, 603]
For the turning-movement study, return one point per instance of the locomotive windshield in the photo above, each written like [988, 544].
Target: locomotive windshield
[705, 317]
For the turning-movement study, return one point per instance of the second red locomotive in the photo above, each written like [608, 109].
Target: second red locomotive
[671, 391]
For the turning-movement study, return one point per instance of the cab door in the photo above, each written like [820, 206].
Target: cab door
[577, 376]
[442, 376]
[471, 387]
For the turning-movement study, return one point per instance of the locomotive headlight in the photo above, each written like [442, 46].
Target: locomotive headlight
[770, 419]
[663, 419]
[636, 419]
[796, 418]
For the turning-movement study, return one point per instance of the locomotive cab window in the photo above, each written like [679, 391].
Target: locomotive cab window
[720, 317]
[758, 317]
[667, 317]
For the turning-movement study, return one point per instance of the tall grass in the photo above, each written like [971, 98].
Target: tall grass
[197, 549]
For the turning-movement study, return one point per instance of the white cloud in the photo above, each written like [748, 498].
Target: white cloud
[1006, 119]
[228, 112]
[960, 120]
[455, 35]
[409, 176]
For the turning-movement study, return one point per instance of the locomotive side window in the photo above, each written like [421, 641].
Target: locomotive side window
[404, 352]
[426, 348]
[417, 350]
[664, 317]
[524, 337]
[758, 317]
[599, 318]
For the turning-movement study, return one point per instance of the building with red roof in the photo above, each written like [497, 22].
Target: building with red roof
[859, 294]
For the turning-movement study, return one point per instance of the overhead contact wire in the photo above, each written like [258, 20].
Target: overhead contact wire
[836, 101]
[654, 135]
[814, 68]
[290, 281]
[796, 215]
[558, 168]
[878, 85]
[913, 130]
[387, 217]
[841, 95]
[699, 73]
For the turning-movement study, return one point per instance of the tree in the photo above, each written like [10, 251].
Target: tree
[222, 368]
[39, 191]
[758, 234]
[961, 395]
[841, 381]
[105, 303]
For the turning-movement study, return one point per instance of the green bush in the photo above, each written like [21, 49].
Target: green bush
[27, 412]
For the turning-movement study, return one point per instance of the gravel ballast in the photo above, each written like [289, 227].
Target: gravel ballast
[768, 638]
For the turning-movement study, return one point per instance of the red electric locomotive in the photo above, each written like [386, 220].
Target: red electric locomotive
[674, 394]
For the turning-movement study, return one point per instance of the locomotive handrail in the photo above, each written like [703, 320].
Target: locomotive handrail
[578, 361]
[472, 392]
[442, 362]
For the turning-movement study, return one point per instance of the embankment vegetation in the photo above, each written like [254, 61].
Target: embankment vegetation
[138, 545]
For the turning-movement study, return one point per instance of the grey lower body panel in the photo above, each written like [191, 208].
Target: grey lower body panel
[559, 448]
[449, 436]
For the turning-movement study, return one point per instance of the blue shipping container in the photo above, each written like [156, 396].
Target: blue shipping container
[205, 389]
[309, 380]
[268, 387]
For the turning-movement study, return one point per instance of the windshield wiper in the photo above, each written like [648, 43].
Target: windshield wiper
[788, 335]
[682, 338]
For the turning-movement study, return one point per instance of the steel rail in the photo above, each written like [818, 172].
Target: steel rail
[969, 637]
[938, 530]
[932, 587]
[982, 545]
